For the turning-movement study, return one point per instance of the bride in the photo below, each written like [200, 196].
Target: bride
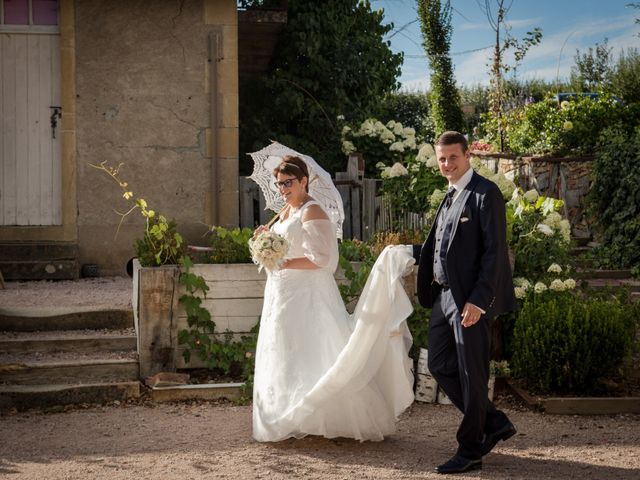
[319, 370]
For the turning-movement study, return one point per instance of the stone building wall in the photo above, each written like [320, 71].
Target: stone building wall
[143, 99]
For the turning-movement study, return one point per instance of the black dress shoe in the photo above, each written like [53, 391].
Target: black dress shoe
[458, 464]
[490, 441]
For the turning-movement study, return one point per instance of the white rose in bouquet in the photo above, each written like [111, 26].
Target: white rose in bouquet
[268, 250]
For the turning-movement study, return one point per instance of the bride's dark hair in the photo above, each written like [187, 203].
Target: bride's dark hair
[293, 165]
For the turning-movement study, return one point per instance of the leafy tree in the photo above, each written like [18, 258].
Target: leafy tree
[635, 5]
[330, 60]
[412, 110]
[592, 70]
[435, 21]
[517, 93]
[615, 196]
[624, 78]
[504, 41]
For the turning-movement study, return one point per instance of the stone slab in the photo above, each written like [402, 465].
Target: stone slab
[70, 372]
[29, 396]
[591, 405]
[230, 391]
[31, 319]
[87, 343]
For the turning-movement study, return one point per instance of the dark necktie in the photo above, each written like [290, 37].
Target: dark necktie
[448, 198]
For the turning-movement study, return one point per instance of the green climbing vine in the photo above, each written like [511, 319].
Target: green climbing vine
[161, 244]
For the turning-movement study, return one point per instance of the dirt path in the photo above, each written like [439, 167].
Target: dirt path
[201, 441]
[204, 440]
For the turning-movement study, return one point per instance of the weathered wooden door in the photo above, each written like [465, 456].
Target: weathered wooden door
[30, 113]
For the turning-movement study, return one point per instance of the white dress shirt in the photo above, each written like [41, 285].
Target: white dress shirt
[462, 182]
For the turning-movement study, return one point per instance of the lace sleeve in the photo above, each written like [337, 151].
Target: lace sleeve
[320, 244]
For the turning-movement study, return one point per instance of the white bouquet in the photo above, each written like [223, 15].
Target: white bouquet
[268, 250]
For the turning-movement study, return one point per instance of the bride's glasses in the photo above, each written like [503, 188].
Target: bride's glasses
[285, 183]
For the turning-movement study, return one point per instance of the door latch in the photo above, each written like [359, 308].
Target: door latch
[55, 115]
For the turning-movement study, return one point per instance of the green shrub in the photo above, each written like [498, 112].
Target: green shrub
[570, 128]
[412, 110]
[161, 243]
[418, 323]
[564, 344]
[538, 236]
[615, 199]
[230, 246]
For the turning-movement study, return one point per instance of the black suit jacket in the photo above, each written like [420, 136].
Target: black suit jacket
[477, 263]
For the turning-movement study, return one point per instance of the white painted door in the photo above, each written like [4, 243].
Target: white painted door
[30, 126]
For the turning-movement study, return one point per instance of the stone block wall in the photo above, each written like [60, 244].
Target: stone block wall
[568, 179]
[143, 99]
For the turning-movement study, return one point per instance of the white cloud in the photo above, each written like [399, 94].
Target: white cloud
[525, 22]
[465, 27]
[552, 58]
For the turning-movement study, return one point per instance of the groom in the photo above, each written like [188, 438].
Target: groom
[465, 277]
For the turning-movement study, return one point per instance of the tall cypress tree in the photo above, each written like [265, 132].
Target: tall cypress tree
[435, 23]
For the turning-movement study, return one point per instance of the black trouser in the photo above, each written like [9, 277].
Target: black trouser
[459, 361]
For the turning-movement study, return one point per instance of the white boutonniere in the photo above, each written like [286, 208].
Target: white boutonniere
[464, 219]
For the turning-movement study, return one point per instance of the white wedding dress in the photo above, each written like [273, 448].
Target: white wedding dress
[319, 370]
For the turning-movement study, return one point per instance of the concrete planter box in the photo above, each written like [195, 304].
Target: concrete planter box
[234, 301]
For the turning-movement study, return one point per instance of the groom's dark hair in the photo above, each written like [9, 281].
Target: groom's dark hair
[452, 138]
[293, 165]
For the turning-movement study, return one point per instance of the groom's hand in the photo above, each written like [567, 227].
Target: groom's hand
[470, 314]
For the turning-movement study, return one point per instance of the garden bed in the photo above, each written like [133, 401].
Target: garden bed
[571, 405]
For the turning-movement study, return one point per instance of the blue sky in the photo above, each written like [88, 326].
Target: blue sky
[566, 25]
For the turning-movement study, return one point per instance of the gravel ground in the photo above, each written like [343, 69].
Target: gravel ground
[199, 440]
[205, 440]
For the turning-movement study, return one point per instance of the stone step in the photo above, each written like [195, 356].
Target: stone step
[30, 319]
[631, 284]
[68, 341]
[602, 274]
[34, 371]
[23, 397]
[37, 250]
[39, 260]
[40, 269]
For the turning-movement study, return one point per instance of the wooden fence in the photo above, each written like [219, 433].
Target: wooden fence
[366, 211]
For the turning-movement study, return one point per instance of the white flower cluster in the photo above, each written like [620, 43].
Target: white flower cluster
[397, 170]
[555, 221]
[521, 285]
[427, 155]
[554, 268]
[560, 286]
[552, 222]
[268, 250]
[399, 138]
[531, 196]
[506, 186]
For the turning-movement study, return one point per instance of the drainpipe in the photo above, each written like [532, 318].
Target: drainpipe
[214, 58]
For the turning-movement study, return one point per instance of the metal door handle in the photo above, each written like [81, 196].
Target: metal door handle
[55, 115]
